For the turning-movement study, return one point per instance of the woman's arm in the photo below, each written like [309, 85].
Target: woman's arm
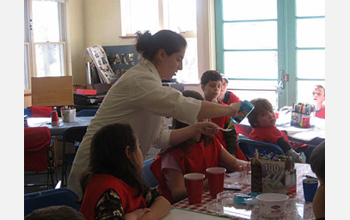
[180, 135]
[213, 110]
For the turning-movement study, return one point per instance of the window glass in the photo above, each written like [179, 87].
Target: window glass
[250, 35]
[251, 64]
[139, 15]
[49, 59]
[311, 64]
[311, 32]
[310, 8]
[305, 89]
[250, 95]
[249, 9]
[180, 18]
[46, 21]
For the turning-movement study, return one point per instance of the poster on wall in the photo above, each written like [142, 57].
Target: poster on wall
[99, 57]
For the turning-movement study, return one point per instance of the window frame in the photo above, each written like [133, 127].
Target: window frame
[29, 40]
[287, 50]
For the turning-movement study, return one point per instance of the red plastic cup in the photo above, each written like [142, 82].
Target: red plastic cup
[194, 186]
[216, 177]
[306, 122]
[277, 115]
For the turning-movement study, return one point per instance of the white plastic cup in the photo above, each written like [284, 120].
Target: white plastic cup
[68, 115]
[272, 205]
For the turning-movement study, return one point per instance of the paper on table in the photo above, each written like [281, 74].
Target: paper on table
[182, 214]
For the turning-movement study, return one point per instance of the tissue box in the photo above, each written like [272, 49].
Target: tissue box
[270, 176]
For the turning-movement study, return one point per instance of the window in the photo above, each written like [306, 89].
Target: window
[259, 43]
[154, 15]
[44, 39]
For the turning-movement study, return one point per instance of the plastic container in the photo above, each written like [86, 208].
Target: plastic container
[272, 205]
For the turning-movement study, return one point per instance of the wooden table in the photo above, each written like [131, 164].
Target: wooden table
[297, 208]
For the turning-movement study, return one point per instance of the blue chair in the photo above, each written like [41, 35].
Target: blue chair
[52, 197]
[71, 135]
[87, 112]
[147, 173]
[248, 147]
[28, 112]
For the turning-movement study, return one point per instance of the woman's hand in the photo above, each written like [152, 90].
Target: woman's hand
[207, 128]
[236, 107]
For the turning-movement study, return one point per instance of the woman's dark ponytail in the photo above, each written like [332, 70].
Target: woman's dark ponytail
[148, 45]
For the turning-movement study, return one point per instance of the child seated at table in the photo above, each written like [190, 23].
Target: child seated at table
[112, 184]
[263, 119]
[211, 82]
[319, 95]
[318, 166]
[191, 156]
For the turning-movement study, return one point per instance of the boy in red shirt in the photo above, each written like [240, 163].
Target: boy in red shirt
[211, 82]
[319, 95]
[263, 120]
[225, 96]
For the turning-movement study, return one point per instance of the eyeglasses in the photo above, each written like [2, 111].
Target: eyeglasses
[316, 94]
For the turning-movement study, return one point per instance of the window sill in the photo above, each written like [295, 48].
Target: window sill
[127, 37]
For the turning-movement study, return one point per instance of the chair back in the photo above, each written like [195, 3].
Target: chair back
[87, 112]
[147, 173]
[74, 134]
[36, 142]
[53, 197]
[248, 147]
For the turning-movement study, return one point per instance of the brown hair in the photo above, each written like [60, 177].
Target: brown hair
[148, 45]
[318, 162]
[210, 75]
[260, 104]
[321, 87]
[177, 125]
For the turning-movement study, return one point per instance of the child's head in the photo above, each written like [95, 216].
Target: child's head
[262, 114]
[223, 88]
[178, 125]
[55, 213]
[211, 82]
[319, 94]
[317, 162]
[115, 150]
[187, 93]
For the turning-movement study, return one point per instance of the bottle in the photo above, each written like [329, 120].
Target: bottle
[54, 117]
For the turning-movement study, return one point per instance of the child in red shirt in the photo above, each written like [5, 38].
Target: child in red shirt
[225, 96]
[319, 95]
[263, 120]
[211, 82]
[112, 184]
[194, 155]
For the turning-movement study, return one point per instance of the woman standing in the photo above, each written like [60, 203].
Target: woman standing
[139, 99]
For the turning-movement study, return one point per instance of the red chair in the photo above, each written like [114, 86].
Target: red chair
[37, 150]
[40, 111]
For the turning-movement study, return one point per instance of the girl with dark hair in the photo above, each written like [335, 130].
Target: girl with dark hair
[191, 156]
[112, 184]
[139, 99]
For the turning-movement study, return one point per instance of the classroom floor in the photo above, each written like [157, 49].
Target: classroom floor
[40, 180]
